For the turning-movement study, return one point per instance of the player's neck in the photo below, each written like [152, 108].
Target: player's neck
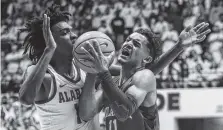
[61, 65]
[127, 71]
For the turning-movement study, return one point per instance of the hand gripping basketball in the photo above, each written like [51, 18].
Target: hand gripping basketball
[100, 62]
[82, 57]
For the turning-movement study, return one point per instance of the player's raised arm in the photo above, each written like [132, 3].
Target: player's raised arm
[188, 37]
[35, 75]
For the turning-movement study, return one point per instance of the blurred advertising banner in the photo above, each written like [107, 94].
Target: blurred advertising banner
[191, 103]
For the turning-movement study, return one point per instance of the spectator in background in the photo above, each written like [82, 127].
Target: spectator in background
[216, 38]
[198, 9]
[3, 63]
[207, 63]
[220, 64]
[107, 16]
[102, 6]
[12, 9]
[129, 22]
[5, 45]
[36, 8]
[173, 10]
[218, 25]
[188, 16]
[96, 19]
[105, 28]
[215, 11]
[126, 9]
[140, 23]
[184, 72]
[147, 12]
[161, 25]
[85, 22]
[169, 37]
[28, 8]
[13, 59]
[194, 62]
[152, 23]
[4, 5]
[14, 31]
[118, 28]
[118, 5]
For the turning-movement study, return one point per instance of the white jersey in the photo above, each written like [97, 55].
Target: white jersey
[61, 111]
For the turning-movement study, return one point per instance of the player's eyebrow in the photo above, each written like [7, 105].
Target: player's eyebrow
[135, 39]
[138, 40]
[61, 30]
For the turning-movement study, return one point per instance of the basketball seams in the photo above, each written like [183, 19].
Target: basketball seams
[80, 62]
[81, 54]
[92, 38]
[78, 54]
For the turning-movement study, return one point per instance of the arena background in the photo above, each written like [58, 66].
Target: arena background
[190, 93]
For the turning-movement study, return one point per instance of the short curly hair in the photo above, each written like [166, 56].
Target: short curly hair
[154, 40]
[34, 43]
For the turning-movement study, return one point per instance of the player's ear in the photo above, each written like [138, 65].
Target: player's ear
[147, 60]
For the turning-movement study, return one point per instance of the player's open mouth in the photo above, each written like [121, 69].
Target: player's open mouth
[127, 51]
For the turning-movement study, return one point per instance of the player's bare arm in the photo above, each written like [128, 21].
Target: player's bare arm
[91, 99]
[37, 74]
[187, 37]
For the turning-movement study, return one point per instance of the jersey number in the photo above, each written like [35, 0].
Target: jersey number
[111, 123]
[77, 113]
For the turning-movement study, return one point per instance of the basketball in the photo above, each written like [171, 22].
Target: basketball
[106, 45]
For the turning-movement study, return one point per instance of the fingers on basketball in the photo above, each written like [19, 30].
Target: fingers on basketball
[111, 58]
[96, 46]
[90, 57]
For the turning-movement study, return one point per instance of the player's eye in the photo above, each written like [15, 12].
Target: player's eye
[65, 31]
[136, 44]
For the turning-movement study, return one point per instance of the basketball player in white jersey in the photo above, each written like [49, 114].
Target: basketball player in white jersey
[53, 83]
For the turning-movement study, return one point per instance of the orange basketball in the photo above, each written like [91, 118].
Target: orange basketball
[106, 45]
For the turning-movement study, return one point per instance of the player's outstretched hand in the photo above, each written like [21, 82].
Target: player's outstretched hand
[47, 34]
[100, 62]
[190, 36]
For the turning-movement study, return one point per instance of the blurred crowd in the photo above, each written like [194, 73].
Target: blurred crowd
[15, 116]
[199, 66]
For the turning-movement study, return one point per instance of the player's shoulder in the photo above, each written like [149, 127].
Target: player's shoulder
[145, 73]
[30, 69]
[145, 78]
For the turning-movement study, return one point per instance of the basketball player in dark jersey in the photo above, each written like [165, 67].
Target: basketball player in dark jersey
[132, 96]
